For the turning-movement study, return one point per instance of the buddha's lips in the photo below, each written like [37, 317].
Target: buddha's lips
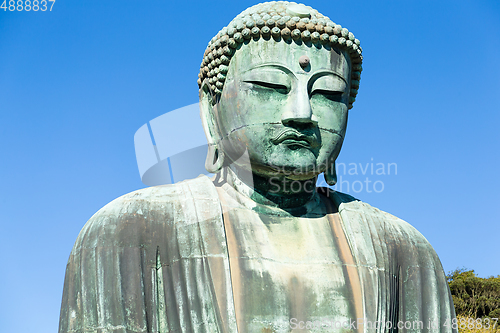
[290, 136]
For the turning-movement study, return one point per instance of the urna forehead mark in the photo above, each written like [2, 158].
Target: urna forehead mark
[304, 61]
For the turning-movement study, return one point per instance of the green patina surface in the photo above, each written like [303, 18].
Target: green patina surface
[259, 248]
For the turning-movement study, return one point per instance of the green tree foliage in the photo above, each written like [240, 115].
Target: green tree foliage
[474, 296]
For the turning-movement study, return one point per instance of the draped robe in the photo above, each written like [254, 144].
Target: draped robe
[164, 259]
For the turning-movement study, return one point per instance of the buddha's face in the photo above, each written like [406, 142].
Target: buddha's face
[289, 117]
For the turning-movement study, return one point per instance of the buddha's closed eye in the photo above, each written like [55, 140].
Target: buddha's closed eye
[269, 86]
[332, 95]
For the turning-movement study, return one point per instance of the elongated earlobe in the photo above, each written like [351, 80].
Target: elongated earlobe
[331, 175]
[215, 160]
[208, 111]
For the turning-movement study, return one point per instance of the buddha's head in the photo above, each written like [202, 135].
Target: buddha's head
[277, 84]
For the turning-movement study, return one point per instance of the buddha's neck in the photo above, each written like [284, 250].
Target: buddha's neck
[277, 191]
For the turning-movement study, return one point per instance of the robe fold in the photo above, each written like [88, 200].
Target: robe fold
[157, 260]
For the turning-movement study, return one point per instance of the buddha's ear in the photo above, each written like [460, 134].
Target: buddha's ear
[208, 115]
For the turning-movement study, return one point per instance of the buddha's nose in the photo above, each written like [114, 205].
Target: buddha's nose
[298, 111]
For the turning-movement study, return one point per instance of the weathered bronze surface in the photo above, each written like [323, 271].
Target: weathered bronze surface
[258, 248]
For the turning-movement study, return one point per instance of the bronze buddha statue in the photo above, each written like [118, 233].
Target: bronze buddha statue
[258, 248]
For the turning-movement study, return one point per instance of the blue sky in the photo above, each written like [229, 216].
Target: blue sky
[77, 82]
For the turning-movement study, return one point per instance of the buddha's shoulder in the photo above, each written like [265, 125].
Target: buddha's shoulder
[163, 196]
[386, 225]
[165, 207]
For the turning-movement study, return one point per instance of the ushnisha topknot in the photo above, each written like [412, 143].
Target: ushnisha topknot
[280, 21]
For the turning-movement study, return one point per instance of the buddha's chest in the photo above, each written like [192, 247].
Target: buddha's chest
[288, 269]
